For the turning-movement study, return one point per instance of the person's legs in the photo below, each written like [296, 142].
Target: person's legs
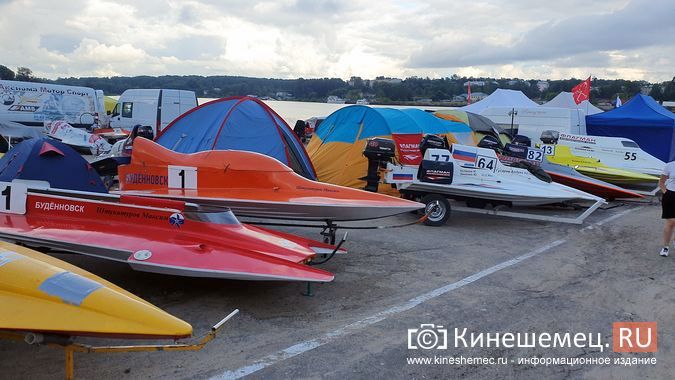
[668, 231]
[668, 216]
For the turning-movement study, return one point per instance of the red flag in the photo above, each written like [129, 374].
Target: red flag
[408, 148]
[582, 91]
[468, 96]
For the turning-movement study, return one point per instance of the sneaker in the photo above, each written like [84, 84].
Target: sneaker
[664, 252]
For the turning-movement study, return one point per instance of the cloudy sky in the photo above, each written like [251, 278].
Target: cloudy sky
[630, 39]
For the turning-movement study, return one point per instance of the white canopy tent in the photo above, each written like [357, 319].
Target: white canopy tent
[565, 100]
[501, 98]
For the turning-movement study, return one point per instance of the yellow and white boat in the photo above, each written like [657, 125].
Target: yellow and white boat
[42, 294]
[592, 167]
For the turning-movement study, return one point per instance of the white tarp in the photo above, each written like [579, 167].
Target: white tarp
[501, 98]
[565, 100]
[12, 129]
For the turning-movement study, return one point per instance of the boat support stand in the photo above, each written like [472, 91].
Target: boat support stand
[308, 291]
[71, 347]
[329, 231]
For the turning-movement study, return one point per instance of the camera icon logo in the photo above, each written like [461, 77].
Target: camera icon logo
[428, 336]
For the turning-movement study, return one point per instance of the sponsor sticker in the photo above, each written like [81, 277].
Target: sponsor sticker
[177, 219]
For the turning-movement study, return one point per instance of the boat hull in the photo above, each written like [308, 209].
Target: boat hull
[484, 193]
[567, 176]
[594, 168]
[251, 184]
[42, 294]
[619, 177]
[615, 152]
[162, 239]
[317, 211]
[570, 177]
[495, 182]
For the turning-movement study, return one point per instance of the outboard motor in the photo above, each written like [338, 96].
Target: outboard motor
[137, 131]
[378, 151]
[490, 142]
[120, 154]
[515, 150]
[550, 137]
[299, 129]
[145, 131]
[433, 141]
[521, 140]
[440, 172]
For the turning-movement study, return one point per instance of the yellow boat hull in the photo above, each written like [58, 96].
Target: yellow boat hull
[594, 168]
[39, 293]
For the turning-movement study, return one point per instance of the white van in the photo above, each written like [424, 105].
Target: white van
[154, 107]
[532, 121]
[32, 103]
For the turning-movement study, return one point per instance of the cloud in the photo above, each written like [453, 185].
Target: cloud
[61, 43]
[320, 38]
[587, 39]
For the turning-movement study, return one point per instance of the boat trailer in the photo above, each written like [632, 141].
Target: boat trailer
[70, 347]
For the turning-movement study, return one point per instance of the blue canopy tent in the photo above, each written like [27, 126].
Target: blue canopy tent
[44, 159]
[642, 120]
[238, 123]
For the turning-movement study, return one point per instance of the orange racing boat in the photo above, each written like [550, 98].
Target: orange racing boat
[251, 184]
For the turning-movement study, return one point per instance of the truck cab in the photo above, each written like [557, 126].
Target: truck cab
[154, 107]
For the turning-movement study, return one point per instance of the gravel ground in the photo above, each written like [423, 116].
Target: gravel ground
[484, 273]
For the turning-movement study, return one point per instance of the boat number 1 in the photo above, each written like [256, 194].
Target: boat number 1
[630, 156]
[13, 197]
[182, 177]
[7, 193]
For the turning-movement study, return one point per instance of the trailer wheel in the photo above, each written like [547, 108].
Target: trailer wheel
[438, 209]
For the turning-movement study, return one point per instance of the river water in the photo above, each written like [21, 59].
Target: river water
[294, 111]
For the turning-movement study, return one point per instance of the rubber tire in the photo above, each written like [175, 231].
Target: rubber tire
[437, 218]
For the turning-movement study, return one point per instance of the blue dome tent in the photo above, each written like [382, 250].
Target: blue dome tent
[642, 120]
[237, 123]
[43, 159]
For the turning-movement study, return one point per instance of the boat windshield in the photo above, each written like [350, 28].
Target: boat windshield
[219, 217]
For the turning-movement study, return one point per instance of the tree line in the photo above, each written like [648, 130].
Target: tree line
[381, 90]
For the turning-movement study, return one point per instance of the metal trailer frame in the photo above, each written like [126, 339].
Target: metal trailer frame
[507, 210]
[498, 211]
[646, 192]
[70, 347]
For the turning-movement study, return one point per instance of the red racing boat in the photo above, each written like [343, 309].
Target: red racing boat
[161, 236]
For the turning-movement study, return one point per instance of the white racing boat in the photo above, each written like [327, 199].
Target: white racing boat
[476, 176]
[77, 138]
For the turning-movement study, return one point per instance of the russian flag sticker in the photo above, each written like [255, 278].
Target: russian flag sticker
[402, 177]
[463, 155]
